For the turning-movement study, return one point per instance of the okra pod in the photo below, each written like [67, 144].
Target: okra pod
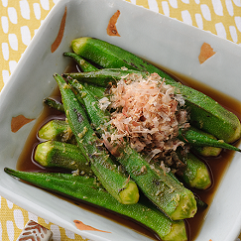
[87, 67]
[103, 77]
[64, 155]
[195, 173]
[207, 151]
[172, 198]
[85, 189]
[196, 137]
[56, 130]
[117, 184]
[200, 204]
[193, 136]
[206, 114]
[97, 91]
[168, 195]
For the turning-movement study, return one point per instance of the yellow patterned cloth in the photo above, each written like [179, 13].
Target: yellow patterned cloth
[20, 19]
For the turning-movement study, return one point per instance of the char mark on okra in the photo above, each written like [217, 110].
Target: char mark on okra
[80, 117]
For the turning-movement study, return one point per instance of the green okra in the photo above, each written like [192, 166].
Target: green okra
[85, 66]
[191, 177]
[56, 130]
[52, 103]
[82, 63]
[209, 116]
[97, 91]
[200, 204]
[68, 156]
[206, 114]
[193, 136]
[59, 130]
[197, 137]
[196, 173]
[117, 184]
[91, 109]
[104, 76]
[109, 56]
[207, 151]
[64, 155]
[86, 189]
[171, 197]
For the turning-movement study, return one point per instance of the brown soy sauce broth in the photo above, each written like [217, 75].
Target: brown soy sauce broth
[217, 165]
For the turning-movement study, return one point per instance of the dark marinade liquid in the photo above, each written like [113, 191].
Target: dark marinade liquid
[217, 165]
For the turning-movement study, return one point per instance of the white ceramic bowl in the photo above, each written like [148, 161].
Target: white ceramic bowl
[159, 39]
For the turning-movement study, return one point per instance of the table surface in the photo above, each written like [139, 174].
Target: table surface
[20, 19]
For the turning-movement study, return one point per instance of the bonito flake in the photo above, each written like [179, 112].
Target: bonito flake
[148, 113]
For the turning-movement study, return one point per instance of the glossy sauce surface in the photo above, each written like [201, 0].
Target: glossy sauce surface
[216, 165]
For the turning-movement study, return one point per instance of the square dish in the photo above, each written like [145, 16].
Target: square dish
[141, 32]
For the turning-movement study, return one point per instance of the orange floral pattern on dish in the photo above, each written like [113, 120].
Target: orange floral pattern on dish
[111, 28]
[81, 226]
[205, 53]
[18, 122]
[60, 35]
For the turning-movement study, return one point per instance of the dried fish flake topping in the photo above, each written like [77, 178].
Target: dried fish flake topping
[148, 113]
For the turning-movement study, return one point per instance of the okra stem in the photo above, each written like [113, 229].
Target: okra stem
[200, 204]
[52, 103]
[82, 63]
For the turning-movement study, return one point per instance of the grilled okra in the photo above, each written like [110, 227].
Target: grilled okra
[56, 130]
[85, 189]
[171, 197]
[206, 114]
[192, 136]
[195, 173]
[196, 137]
[207, 151]
[104, 76]
[64, 155]
[117, 184]
[82, 63]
